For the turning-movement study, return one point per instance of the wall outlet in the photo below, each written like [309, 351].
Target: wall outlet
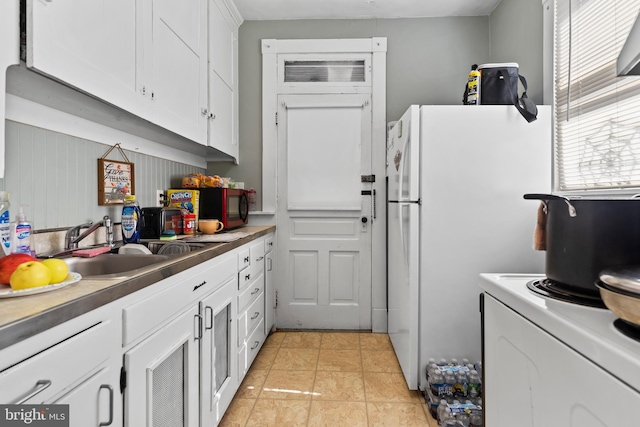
[160, 198]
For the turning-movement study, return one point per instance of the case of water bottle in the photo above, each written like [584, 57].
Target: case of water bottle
[454, 395]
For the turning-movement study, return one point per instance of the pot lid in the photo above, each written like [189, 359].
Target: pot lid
[626, 279]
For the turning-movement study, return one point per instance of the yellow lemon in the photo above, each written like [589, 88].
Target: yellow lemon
[31, 274]
[59, 269]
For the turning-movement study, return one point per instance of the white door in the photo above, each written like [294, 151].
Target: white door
[324, 220]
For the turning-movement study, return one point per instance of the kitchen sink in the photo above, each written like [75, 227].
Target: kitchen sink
[113, 266]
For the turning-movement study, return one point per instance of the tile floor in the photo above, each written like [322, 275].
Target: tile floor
[326, 379]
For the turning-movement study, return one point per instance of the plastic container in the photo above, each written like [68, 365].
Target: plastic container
[20, 232]
[130, 220]
[5, 223]
[473, 86]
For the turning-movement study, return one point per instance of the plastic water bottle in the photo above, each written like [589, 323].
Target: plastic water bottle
[450, 382]
[442, 411]
[473, 386]
[475, 419]
[5, 223]
[130, 220]
[461, 386]
[437, 383]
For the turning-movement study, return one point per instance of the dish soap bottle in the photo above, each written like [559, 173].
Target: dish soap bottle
[21, 234]
[130, 220]
[5, 223]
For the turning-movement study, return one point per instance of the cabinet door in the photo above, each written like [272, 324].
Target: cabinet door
[174, 64]
[269, 293]
[88, 44]
[162, 376]
[222, 79]
[92, 402]
[218, 379]
[533, 379]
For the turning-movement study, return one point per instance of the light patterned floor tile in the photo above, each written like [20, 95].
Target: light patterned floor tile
[380, 361]
[302, 340]
[396, 414]
[339, 360]
[274, 340]
[343, 414]
[388, 387]
[288, 385]
[375, 342]
[335, 385]
[265, 358]
[341, 340]
[296, 359]
[252, 384]
[238, 413]
[279, 413]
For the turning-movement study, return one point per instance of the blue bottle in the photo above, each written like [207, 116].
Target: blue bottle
[130, 220]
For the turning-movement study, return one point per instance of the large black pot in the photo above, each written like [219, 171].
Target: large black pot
[585, 236]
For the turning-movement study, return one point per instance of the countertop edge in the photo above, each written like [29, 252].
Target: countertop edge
[19, 330]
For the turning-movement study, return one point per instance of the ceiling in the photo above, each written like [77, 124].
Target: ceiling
[268, 10]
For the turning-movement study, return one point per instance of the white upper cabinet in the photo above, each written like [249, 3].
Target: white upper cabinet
[172, 37]
[223, 93]
[89, 44]
[171, 63]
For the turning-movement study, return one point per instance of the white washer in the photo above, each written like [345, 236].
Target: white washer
[549, 363]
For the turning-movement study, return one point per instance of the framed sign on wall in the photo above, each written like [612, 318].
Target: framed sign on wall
[116, 179]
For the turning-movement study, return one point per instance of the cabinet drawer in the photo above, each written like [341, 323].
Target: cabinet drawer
[250, 293]
[244, 259]
[141, 317]
[57, 368]
[254, 343]
[244, 278]
[268, 244]
[250, 318]
[257, 257]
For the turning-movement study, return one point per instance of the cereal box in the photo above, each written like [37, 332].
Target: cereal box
[187, 200]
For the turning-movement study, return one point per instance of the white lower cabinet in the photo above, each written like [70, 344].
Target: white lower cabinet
[162, 376]
[69, 364]
[172, 354]
[218, 382]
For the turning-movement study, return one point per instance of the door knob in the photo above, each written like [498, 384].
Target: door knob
[364, 219]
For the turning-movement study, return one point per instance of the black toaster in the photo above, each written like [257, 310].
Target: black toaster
[156, 220]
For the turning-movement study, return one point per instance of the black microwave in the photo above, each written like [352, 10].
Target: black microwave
[228, 205]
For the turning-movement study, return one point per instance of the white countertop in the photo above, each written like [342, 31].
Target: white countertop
[587, 330]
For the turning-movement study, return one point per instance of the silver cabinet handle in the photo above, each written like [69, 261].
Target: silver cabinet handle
[108, 387]
[260, 259]
[269, 264]
[40, 386]
[255, 344]
[207, 325]
[255, 291]
[197, 333]
[255, 315]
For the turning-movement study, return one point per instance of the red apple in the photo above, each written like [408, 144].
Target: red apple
[9, 263]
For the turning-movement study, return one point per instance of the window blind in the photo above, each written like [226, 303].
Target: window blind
[597, 114]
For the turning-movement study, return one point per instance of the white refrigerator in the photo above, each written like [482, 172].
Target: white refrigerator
[456, 180]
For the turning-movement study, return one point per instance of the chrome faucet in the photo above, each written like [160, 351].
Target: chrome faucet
[73, 236]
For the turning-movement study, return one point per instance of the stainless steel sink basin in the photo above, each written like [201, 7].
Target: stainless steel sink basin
[113, 266]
